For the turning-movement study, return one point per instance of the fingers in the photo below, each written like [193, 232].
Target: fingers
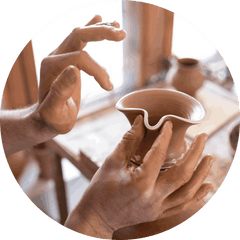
[114, 24]
[81, 60]
[130, 141]
[64, 86]
[195, 151]
[94, 30]
[58, 109]
[201, 193]
[100, 32]
[155, 157]
[94, 20]
[98, 20]
[92, 68]
[176, 176]
[187, 191]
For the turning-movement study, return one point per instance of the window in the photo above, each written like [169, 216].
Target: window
[188, 42]
[153, 35]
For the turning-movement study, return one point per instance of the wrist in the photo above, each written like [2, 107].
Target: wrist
[23, 128]
[40, 132]
[86, 220]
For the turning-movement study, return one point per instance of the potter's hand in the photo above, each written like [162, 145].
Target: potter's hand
[186, 181]
[123, 194]
[59, 91]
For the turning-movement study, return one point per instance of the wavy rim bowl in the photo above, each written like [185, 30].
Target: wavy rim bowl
[197, 109]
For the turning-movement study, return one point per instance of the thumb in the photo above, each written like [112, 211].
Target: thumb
[65, 85]
[130, 141]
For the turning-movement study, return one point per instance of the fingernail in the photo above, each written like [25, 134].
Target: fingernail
[169, 123]
[70, 75]
[98, 18]
[205, 137]
[73, 79]
[122, 32]
[208, 189]
[137, 120]
[110, 86]
[211, 160]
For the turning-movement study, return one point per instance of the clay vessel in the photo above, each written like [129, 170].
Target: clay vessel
[233, 138]
[158, 106]
[188, 77]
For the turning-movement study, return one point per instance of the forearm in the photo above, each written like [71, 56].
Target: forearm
[22, 129]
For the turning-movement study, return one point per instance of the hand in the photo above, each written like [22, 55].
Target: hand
[59, 91]
[122, 194]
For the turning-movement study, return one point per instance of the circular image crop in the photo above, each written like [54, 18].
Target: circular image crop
[119, 120]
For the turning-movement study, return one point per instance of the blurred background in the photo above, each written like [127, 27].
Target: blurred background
[55, 174]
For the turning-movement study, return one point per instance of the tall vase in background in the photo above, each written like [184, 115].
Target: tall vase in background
[188, 77]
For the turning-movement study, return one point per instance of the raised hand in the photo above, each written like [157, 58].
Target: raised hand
[123, 194]
[60, 89]
[60, 82]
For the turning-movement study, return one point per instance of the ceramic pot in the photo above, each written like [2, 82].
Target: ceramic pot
[188, 77]
[233, 139]
[158, 106]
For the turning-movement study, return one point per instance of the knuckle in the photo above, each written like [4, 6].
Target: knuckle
[75, 30]
[108, 162]
[83, 55]
[145, 197]
[171, 176]
[183, 208]
[141, 176]
[198, 197]
[205, 174]
[188, 197]
[185, 175]
[146, 193]
[160, 153]
[130, 135]
[55, 90]
[44, 62]
[134, 177]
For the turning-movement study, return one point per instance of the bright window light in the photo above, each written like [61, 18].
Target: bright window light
[188, 42]
[108, 54]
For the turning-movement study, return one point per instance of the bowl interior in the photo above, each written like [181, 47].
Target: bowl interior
[159, 103]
